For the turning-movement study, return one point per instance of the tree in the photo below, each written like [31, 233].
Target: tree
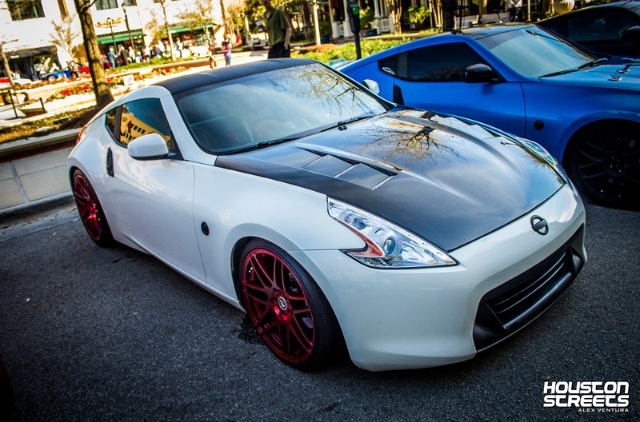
[199, 14]
[64, 37]
[395, 14]
[166, 27]
[5, 61]
[237, 10]
[101, 87]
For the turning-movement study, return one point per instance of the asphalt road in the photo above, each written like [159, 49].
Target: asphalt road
[111, 334]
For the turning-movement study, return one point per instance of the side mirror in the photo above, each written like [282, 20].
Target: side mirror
[631, 34]
[372, 86]
[478, 72]
[151, 146]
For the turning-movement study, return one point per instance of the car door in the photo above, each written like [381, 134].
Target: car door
[154, 197]
[431, 77]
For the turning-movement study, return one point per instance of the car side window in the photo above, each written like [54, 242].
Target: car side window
[606, 25]
[141, 117]
[438, 63]
[388, 65]
[111, 121]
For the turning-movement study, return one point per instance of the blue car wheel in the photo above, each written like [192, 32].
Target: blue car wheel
[605, 163]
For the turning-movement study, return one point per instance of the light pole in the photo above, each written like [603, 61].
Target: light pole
[316, 26]
[167, 28]
[113, 39]
[126, 22]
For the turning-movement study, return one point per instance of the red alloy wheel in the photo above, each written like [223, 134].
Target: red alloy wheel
[90, 210]
[278, 305]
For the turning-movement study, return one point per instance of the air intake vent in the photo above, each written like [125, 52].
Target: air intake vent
[356, 173]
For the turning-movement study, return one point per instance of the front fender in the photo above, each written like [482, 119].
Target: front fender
[552, 123]
[291, 217]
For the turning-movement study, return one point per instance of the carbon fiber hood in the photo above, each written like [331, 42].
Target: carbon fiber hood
[447, 180]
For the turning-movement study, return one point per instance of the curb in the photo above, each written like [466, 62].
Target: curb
[33, 144]
[35, 206]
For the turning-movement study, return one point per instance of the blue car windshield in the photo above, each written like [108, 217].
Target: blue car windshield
[272, 107]
[534, 52]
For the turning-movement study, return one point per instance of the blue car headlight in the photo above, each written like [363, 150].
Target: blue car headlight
[386, 245]
[539, 151]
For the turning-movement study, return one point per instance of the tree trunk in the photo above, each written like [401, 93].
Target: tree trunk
[101, 87]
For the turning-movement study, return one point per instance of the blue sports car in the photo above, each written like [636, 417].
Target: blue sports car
[527, 81]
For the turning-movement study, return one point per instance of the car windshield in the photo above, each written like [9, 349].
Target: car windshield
[534, 52]
[273, 107]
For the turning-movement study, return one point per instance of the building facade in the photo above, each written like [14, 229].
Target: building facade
[27, 30]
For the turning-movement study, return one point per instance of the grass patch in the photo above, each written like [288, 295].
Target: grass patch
[327, 52]
[62, 121]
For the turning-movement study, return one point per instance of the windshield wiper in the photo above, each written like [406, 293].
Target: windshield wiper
[353, 119]
[592, 63]
[342, 124]
[266, 144]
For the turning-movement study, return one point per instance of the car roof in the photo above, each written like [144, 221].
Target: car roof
[194, 80]
[631, 5]
[478, 32]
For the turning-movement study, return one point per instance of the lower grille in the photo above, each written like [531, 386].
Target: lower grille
[512, 305]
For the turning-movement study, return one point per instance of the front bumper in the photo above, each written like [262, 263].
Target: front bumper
[416, 318]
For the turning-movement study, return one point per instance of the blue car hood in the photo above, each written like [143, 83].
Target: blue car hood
[447, 180]
[623, 76]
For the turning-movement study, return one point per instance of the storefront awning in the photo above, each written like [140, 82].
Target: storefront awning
[178, 29]
[30, 52]
[118, 38]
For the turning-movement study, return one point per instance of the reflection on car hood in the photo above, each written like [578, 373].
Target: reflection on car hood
[625, 76]
[444, 179]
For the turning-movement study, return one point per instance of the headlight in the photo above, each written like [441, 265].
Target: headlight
[387, 245]
[540, 151]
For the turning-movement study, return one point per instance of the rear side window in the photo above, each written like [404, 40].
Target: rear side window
[438, 63]
[112, 121]
[142, 117]
[389, 65]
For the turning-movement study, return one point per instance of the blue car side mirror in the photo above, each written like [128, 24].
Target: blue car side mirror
[478, 72]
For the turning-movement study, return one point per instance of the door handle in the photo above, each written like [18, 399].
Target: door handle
[109, 162]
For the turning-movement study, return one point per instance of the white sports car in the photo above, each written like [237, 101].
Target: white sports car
[331, 216]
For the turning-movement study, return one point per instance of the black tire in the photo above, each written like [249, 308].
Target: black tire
[287, 308]
[604, 163]
[90, 210]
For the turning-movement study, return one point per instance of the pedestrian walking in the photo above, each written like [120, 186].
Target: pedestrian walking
[226, 50]
[279, 31]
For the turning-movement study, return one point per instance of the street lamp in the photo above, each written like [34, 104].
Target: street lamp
[126, 22]
[110, 23]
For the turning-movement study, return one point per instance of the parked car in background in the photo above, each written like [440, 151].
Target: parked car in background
[529, 82]
[17, 81]
[608, 29]
[106, 64]
[331, 215]
[57, 75]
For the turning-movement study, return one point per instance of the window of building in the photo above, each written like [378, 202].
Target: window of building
[106, 4]
[25, 9]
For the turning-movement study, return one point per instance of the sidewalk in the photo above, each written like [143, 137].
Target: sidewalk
[34, 180]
